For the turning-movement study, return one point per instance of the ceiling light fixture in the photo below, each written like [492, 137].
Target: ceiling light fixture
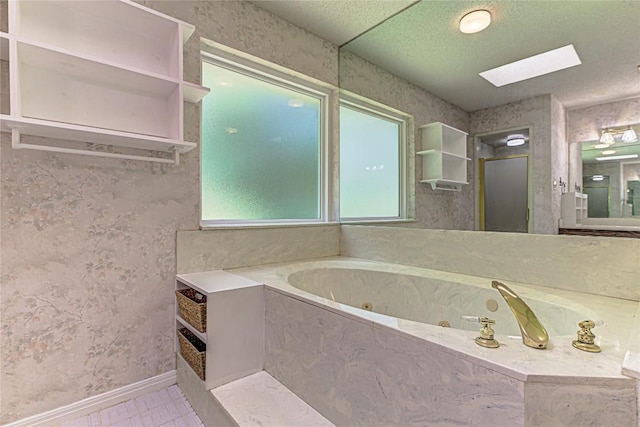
[608, 152]
[474, 22]
[620, 157]
[598, 146]
[533, 66]
[515, 140]
[598, 178]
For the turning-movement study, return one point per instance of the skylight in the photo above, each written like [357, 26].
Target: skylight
[533, 66]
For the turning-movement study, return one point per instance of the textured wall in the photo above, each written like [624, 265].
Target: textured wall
[537, 114]
[87, 273]
[88, 244]
[586, 123]
[434, 208]
[559, 157]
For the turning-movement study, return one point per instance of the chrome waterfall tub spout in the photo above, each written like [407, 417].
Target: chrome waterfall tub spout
[533, 333]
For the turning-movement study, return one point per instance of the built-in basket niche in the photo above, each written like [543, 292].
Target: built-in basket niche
[233, 332]
[106, 72]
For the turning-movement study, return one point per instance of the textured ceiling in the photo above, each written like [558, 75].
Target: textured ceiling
[422, 44]
[338, 21]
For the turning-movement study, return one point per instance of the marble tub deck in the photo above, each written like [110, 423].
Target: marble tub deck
[560, 363]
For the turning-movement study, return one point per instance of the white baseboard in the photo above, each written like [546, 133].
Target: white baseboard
[97, 403]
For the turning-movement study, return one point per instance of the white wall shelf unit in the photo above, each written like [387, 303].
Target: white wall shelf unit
[234, 336]
[107, 72]
[573, 208]
[444, 156]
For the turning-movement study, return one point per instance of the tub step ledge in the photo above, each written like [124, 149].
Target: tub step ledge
[260, 400]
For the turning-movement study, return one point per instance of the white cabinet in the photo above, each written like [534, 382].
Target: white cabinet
[444, 156]
[234, 333]
[104, 72]
[573, 209]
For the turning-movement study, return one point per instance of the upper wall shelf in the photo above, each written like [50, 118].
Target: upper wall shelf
[106, 72]
[444, 156]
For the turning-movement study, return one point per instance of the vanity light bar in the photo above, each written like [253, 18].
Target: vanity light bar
[620, 157]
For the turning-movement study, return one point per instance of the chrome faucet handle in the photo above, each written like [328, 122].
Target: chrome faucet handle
[585, 341]
[486, 333]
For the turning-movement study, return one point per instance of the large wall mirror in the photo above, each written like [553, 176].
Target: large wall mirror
[418, 62]
[610, 177]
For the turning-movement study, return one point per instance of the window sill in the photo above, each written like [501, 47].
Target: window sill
[244, 226]
[378, 221]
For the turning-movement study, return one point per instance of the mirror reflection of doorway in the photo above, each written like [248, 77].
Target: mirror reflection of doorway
[504, 194]
[597, 188]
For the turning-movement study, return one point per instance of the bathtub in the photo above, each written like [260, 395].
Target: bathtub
[427, 298]
[409, 303]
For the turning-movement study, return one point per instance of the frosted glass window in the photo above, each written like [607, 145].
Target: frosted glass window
[261, 149]
[370, 166]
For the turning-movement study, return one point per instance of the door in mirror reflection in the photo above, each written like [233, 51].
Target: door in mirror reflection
[504, 194]
[597, 187]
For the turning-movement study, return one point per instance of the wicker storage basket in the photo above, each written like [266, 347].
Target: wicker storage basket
[193, 308]
[193, 351]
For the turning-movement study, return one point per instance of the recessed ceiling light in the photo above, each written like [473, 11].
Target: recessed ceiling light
[597, 178]
[474, 22]
[620, 157]
[534, 66]
[601, 146]
[515, 140]
[607, 152]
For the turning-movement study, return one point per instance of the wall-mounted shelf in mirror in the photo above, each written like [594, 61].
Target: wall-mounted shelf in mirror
[444, 160]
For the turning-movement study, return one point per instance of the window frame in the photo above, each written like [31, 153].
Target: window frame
[279, 76]
[384, 112]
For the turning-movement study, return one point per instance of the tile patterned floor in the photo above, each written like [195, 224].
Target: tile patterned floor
[165, 408]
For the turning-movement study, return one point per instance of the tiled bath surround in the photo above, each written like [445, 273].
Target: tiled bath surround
[361, 373]
[224, 249]
[597, 265]
[302, 340]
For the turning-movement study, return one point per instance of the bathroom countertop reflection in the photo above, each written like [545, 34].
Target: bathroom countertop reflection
[560, 362]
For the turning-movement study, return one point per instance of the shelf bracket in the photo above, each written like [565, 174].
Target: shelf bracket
[176, 158]
[446, 187]
[15, 143]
